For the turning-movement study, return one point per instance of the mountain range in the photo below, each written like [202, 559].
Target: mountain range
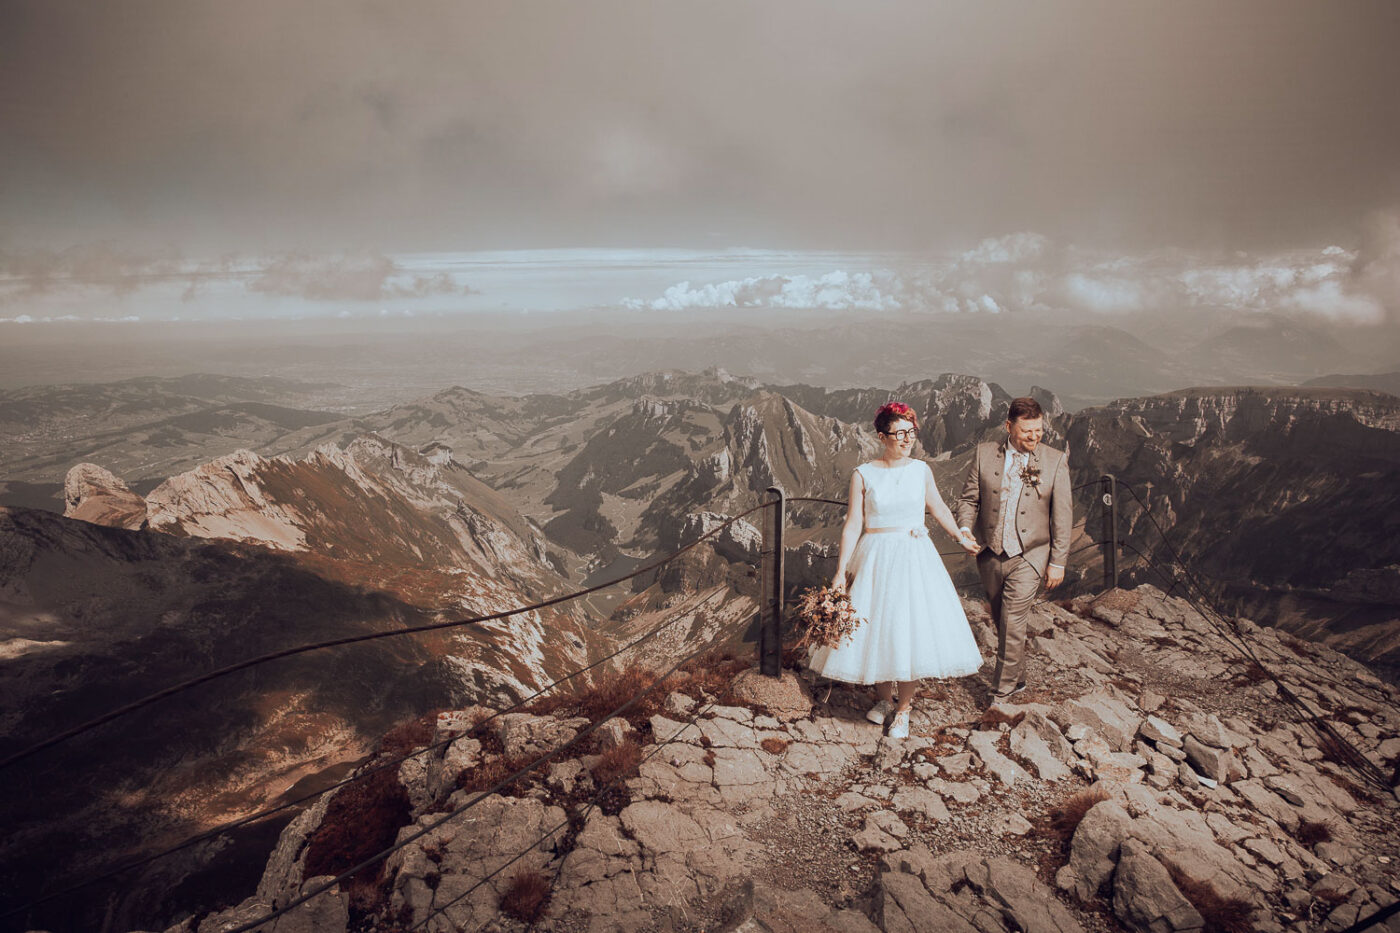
[1278, 499]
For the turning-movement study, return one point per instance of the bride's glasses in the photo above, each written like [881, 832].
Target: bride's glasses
[905, 434]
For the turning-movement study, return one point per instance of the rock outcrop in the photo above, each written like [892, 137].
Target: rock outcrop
[1088, 795]
[92, 494]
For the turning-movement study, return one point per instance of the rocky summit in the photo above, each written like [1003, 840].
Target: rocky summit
[1151, 778]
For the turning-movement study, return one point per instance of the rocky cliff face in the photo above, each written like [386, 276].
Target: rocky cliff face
[97, 617]
[954, 410]
[1274, 498]
[92, 494]
[1149, 780]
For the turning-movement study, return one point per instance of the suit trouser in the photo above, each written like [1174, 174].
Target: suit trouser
[1012, 584]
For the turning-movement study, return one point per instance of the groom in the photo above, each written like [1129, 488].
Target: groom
[1016, 506]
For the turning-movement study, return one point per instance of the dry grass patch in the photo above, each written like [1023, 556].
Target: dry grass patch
[605, 693]
[1311, 832]
[774, 745]
[361, 820]
[493, 770]
[526, 896]
[1221, 914]
[1065, 818]
[618, 762]
[410, 735]
[995, 717]
[1254, 673]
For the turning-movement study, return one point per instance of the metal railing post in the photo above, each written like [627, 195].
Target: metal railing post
[770, 644]
[1109, 486]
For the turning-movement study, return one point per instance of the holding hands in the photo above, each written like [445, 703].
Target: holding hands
[968, 542]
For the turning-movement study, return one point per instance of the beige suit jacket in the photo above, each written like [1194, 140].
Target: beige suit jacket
[1044, 515]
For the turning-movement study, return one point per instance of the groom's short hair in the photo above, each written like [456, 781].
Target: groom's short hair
[1024, 407]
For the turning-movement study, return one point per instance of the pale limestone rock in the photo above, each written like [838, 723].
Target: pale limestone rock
[1029, 744]
[903, 905]
[871, 838]
[991, 893]
[1159, 731]
[679, 706]
[1145, 898]
[282, 878]
[1267, 803]
[524, 734]
[611, 734]
[850, 801]
[1108, 715]
[93, 494]
[955, 765]
[1094, 849]
[1006, 770]
[960, 792]
[1208, 761]
[921, 801]
[497, 829]
[758, 908]
[663, 730]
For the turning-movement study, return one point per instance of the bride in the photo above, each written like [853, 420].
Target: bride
[914, 623]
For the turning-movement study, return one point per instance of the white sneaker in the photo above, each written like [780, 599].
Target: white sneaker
[899, 726]
[879, 711]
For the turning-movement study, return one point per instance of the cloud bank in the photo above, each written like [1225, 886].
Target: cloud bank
[1029, 273]
[108, 270]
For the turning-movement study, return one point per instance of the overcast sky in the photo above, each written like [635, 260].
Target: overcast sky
[332, 125]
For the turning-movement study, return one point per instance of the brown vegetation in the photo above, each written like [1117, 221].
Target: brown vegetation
[1254, 673]
[618, 762]
[774, 745]
[526, 896]
[994, 717]
[361, 820]
[407, 736]
[1311, 832]
[1221, 914]
[494, 769]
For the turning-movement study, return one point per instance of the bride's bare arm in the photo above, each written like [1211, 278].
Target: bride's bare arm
[850, 530]
[941, 513]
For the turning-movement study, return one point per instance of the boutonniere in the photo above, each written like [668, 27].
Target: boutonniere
[1030, 476]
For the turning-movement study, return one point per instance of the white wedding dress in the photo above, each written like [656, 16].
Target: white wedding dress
[914, 623]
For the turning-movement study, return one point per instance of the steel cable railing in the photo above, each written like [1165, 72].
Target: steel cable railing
[1220, 626]
[1354, 758]
[361, 775]
[357, 639]
[381, 856]
[588, 810]
[504, 782]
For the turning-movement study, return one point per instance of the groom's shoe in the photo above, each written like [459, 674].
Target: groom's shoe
[879, 711]
[1010, 693]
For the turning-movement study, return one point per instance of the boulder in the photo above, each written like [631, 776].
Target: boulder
[756, 906]
[1145, 898]
[921, 801]
[785, 697]
[1094, 849]
[1158, 731]
[1207, 760]
[1107, 715]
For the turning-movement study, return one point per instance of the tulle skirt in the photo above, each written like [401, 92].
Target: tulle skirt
[914, 626]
